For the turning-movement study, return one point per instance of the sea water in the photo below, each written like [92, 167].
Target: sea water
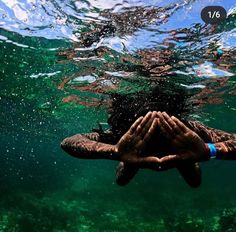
[53, 86]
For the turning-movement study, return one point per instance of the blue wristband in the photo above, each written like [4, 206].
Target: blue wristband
[213, 150]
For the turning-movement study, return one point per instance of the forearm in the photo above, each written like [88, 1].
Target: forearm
[224, 142]
[225, 145]
[82, 147]
[226, 150]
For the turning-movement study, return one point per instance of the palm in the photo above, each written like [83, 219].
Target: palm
[129, 143]
[133, 142]
[188, 145]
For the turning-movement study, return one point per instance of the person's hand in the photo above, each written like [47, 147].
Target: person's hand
[189, 146]
[133, 142]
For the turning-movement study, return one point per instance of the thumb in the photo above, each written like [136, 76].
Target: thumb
[149, 162]
[169, 161]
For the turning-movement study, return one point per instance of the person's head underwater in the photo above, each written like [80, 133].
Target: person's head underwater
[125, 109]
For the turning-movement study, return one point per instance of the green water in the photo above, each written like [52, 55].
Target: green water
[44, 189]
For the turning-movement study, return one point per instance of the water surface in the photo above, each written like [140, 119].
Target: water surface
[56, 75]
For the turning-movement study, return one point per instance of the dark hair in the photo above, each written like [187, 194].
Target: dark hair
[125, 109]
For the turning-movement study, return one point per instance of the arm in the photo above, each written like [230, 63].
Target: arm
[190, 140]
[128, 148]
[224, 142]
[88, 146]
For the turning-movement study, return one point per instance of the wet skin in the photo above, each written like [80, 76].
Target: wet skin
[145, 138]
[155, 141]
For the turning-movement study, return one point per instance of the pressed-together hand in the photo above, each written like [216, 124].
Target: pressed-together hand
[189, 146]
[186, 143]
[133, 142]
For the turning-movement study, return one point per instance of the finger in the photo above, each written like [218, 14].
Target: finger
[180, 124]
[148, 162]
[155, 113]
[143, 123]
[141, 143]
[169, 161]
[165, 116]
[151, 130]
[147, 126]
[176, 128]
[135, 125]
[165, 128]
[158, 114]
[154, 163]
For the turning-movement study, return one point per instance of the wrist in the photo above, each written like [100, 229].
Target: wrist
[210, 150]
[114, 153]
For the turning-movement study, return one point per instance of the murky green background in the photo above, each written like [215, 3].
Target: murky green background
[44, 189]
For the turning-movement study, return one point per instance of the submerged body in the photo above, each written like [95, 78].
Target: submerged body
[101, 146]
